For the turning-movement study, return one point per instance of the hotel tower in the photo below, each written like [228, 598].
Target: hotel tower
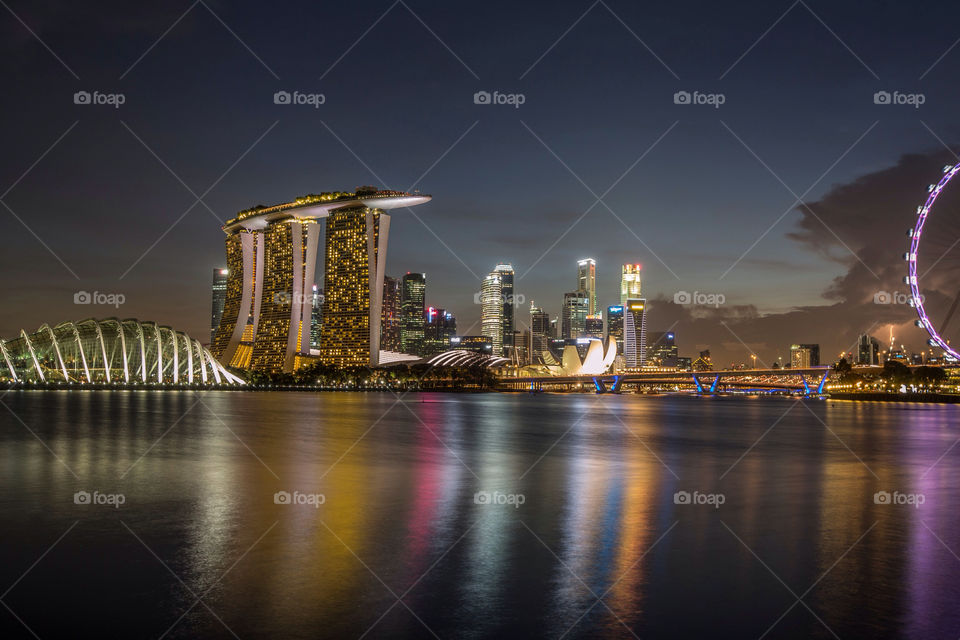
[271, 258]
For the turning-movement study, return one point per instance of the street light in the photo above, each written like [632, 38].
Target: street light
[754, 360]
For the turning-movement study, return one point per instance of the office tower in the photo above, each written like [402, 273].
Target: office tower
[635, 332]
[684, 363]
[615, 326]
[703, 363]
[521, 346]
[539, 331]
[271, 257]
[439, 326]
[803, 356]
[316, 317]
[593, 327]
[506, 295]
[219, 297]
[554, 328]
[391, 315]
[413, 291]
[868, 350]
[662, 349]
[573, 317]
[630, 277]
[491, 310]
[587, 281]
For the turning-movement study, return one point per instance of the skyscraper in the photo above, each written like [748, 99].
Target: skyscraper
[439, 327]
[615, 326]
[506, 295]
[539, 331]
[803, 356]
[413, 291]
[316, 317]
[662, 349]
[271, 257]
[587, 281]
[635, 332]
[573, 318]
[491, 310]
[868, 350]
[630, 277]
[391, 315]
[593, 326]
[219, 297]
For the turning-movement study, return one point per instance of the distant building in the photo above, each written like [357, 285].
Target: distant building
[593, 327]
[615, 325]
[703, 363]
[521, 347]
[505, 270]
[438, 327]
[629, 282]
[868, 350]
[587, 281]
[662, 349]
[539, 331]
[391, 316]
[803, 356]
[684, 363]
[413, 290]
[635, 333]
[573, 316]
[491, 310]
[480, 344]
[219, 297]
[316, 317]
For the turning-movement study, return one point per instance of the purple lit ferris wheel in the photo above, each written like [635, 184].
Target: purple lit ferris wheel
[913, 279]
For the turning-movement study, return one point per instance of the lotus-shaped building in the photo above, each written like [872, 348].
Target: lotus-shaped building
[596, 358]
[110, 351]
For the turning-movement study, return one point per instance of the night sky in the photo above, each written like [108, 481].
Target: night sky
[130, 199]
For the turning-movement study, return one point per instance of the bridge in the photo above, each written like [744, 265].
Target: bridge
[807, 381]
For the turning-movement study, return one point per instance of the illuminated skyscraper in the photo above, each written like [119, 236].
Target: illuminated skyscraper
[506, 295]
[573, 316]
[539, 331]
[219, 297]
[316, 317]
[803, 356]
[491, 310]
[630, 282]
[391, 315]
[439, 327]
[662, 349]
[587, 281]
[271, 254]
[615, 325]
[593, 327]
[413, 292]
[635, 332]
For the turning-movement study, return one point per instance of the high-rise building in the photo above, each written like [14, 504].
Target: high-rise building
[439, 326]
[868, 350]
[615, 325]
[219, 296]
[635, 332]
[507, 300]
[662, 349]
[391, 315]
[271, 257]
[491, 310]
[593, 327]
[539, 331]
[521, 346]
[316, 317]
[587, 281]
[803, 356]
[630, 277]
[573, 317]
[480, 344]
[413, 292]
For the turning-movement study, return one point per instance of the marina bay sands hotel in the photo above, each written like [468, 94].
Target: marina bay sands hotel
[271, 258]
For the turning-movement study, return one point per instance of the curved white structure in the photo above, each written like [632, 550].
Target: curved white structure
[109, 351]
[465, 358]
[596, 361]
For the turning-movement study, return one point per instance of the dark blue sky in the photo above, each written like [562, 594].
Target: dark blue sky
[508, 183]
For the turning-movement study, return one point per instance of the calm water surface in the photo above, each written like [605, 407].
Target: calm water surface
[407, 543]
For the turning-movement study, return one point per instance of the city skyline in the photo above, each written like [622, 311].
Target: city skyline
[154, 241]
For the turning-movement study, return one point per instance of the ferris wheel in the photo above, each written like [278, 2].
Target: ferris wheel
[937, 335]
